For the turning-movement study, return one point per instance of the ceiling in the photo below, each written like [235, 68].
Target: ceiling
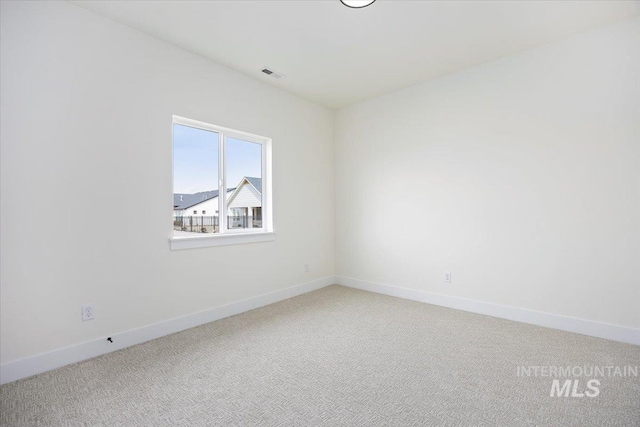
[336, 56]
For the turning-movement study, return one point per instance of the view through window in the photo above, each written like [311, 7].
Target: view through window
[218, 180]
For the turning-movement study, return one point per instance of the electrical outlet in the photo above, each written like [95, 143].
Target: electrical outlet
[447, 277]
[87, 312]
[306, 268]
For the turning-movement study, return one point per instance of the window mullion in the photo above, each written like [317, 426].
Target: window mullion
[222, 193]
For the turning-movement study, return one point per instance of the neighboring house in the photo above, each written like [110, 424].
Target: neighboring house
[245, 204]
[196, 212]
[244, 207]
[204, 203]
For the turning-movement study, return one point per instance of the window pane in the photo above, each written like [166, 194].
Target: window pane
[195, 180]
[244, 184]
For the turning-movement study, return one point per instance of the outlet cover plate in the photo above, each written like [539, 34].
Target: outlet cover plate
[88, 312]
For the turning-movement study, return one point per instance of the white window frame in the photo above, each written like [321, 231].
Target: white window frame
[229, 236]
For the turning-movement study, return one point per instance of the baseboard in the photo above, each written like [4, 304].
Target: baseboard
[23, 368]
[539, 318]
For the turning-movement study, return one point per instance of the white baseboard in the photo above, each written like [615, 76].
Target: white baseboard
[33, 365]
[549, 320]
[23, 368]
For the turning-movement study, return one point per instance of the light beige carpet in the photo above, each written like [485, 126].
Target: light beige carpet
[334, 357]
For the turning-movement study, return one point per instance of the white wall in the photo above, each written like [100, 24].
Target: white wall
[86, 120]
[521, 177]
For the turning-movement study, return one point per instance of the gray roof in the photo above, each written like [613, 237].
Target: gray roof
[185, 201]
[256, 182]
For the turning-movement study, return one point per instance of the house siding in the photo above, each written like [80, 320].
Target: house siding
[246, 197]
[210, 206]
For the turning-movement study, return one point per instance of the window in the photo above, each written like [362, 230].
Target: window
[225, 171]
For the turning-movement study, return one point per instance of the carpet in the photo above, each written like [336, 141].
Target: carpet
[337, 357]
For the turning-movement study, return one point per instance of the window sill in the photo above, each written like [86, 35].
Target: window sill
[192, 242]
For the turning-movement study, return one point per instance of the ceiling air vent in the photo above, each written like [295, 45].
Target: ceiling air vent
[272, 73]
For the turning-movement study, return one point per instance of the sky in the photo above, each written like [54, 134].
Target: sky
[195, 160]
